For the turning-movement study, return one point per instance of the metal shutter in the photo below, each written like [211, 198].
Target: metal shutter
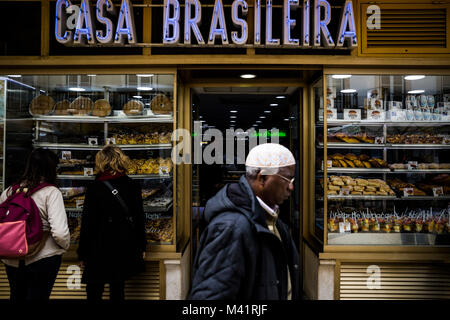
[407, 28]
[397, 281]
[145, 286]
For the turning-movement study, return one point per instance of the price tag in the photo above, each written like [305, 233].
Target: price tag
[438, 191]
[88, 171]
[348, 227]
[379, 140]
[66, 155]
[412, 165]
[446, 140]
[163, 170]
[79, 204]
[407, 192]
[345, 191]
[329, 164]
[110, 140]
[93, 141]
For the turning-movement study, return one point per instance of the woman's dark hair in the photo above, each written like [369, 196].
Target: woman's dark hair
[40, 167]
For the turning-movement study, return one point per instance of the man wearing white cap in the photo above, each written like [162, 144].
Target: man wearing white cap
[246, 252]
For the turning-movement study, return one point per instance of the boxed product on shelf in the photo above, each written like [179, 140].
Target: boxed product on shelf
[352, 114]
[396, 115]
[376, 115]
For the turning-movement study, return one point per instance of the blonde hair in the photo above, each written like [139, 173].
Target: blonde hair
[112, 159]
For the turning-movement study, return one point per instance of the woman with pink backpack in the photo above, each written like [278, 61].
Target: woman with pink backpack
[32, 275]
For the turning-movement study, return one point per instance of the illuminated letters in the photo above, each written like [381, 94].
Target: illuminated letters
[289, 23]
[218, 16]
[347, 19]
[60, 22]
[257, 15]
[107, 36]
[171, 21]
[84, 19]
[320, 26]
[305, 30]
[192, 22]
[269, 40]
[239, 22]
[125, 16]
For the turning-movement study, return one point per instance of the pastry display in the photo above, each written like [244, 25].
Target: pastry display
[147, 138]
[159, 230]
[62, 108]
[102, 108]
[420, 166]
[41, 105]
[414, 139]
[133, 108]
[146, 193]
[401, 186]
[81, 106]
[351, 138]
[74, 222]
[150, 166]
[352, 161]
[345, 186]
[161, 104]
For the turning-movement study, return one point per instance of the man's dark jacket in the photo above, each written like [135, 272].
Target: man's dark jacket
[238, 257]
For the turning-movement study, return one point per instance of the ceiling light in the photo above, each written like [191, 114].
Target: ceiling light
[14, 75]
[233, 117]
[76, 89]
[248, 76]
[416, 91]
[341, 76]
[267, 111]
[91, 75]
[286, 119]
[232, 121]
[262, 117]
[144, 88]
[348, 91]
[137, 97]
[414, 77]
[280, 97]
[144, 75]
[233, 111]
[258, 121]
[274, 104]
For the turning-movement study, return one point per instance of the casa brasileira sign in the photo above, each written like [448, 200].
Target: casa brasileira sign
[95, 25]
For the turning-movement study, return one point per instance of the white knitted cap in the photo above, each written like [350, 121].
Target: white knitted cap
[270, 155]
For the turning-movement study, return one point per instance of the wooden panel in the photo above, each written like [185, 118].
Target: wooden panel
[396, 281]
[145, 286]
[407, 28]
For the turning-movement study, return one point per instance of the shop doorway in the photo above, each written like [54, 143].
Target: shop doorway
[252, 114]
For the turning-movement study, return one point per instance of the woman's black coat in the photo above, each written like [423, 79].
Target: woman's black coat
[110, 246]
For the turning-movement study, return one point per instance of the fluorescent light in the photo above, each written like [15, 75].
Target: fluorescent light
[233, 117]
[232, 121]
[267, 111]
[233, 111]
[248, 76]
[137, 97]
[258, 121]
[76, 89]
[144, 88]
[416, 91]
[414, 77]
[144, 75]
[14, 75]
[286, 119]
[262, 117]
[280, 97]
[348, 91]
[341, 76]
[91, 75]
[274, 104]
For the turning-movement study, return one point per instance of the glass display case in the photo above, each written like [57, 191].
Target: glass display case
[77, 115]
[382, 160]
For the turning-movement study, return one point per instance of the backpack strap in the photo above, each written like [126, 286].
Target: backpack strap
[122, 203]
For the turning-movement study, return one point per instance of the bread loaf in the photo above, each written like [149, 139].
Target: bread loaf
[81, 106]
[62, 108]
[161, 105]
[133, 107]
[102, 108]
[41, 105]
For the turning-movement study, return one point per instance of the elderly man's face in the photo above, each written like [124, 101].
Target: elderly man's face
[275, 189]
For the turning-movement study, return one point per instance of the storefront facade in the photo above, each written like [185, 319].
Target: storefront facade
[381, 258]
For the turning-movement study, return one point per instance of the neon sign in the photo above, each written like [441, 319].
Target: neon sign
[184, 29]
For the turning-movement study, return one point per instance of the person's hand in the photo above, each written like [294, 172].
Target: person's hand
[143, 255]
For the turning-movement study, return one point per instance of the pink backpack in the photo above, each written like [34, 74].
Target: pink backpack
[21, 231]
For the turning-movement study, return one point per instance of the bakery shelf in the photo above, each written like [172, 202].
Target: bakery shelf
[380, 238]
[360, 197]
[74, 177]
[74, 210]
[357, 170]
[418, 146]
[423, 198]
[421, 171]
[111, 119]
[73, 146]
[157, 209]
[133, 176]
[387, 123]
[343, 145]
